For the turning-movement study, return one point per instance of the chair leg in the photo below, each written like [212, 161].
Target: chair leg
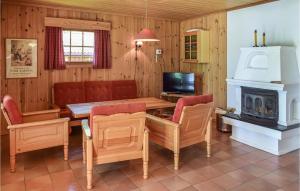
[208, 149]
[89, 164]
[146, 154]
[83, 148]
[176, 148]
[12, 163]
[66, 151]
[176, 160]
[12, 149]
[208, 138]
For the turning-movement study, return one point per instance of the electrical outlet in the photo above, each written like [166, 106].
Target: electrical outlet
[158, 51]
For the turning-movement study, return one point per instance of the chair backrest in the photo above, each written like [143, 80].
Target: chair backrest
[189, 101]
[117, 128]
[10, 110]
[194, 120]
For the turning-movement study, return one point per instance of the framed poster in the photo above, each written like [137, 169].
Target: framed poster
[21, 58]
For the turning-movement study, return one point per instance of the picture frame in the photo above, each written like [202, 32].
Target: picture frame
[21, 58]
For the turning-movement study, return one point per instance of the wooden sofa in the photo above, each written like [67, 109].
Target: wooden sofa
[65, 93]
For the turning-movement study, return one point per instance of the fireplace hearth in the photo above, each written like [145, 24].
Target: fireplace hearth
[259, 106]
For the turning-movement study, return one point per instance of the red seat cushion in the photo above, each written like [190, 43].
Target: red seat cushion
[124, 89]
[68, 93]
[13, 112]
[189, 101]
[98, 91]
[114, 109]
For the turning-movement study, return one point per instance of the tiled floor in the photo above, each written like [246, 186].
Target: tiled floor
[233, 166]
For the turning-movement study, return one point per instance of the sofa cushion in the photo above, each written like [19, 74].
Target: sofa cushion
[114, 109]
[124, 89]
[68, 93]
[189, 101]
[12, 110]
[98, 91]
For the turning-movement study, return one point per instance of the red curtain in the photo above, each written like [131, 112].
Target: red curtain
[102, 53]
[54, 53]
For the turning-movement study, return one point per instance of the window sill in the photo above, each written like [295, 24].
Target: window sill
[79, 65]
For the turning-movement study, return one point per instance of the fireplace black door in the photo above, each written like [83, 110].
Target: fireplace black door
[260, 106]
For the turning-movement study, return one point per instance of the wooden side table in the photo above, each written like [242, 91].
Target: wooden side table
[172, 97]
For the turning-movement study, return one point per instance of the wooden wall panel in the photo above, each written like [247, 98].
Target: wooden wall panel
[214, 73]
[24, 21]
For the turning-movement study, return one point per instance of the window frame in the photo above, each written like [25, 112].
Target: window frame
[70, 64]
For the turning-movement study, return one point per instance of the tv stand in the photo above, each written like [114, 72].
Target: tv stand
[173, 97]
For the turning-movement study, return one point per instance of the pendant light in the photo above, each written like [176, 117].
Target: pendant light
[146, 35]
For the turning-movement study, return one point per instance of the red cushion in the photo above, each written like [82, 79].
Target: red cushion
[114, 109]
[189, 101]
[124, 89]
[98, 91]
[68, 93]
[13, 112]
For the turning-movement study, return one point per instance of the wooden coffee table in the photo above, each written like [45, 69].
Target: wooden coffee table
[82, 110]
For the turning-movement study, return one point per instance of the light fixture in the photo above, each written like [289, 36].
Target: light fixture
[138, 44]
[146, 35]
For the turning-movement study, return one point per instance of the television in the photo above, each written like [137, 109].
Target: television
[176, 82]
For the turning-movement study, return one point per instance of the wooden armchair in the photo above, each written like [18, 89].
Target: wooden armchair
[116, 133]
[190, 124]
[33, 130]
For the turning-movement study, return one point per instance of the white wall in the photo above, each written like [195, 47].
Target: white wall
[280, 21]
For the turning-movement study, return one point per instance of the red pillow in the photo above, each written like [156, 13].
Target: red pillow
[189, 101]
[12, 110]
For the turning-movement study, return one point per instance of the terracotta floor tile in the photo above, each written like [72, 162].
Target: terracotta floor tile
[16, 186]
[262, 185]
[156, 186]
[226, 182]
[208, 185]
[8, 177]
[63, 177]
[266, 164]
[280, 178]
[232, 166]
[255, 170]
[225, 166]
[295, 186]
[39, 183]
[139, 180]
[113, 177]
[241, 176]
[209, 172]
[193, 177]
[35, 171]
[190, 188]
[123, 185]
[161, 173]
[56, 165]
[175, 183]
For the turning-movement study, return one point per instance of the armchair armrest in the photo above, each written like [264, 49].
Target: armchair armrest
[40, 115]
[162, 121]
[86, 128]
[38, 123]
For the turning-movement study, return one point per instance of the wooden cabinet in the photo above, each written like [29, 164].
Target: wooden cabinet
[196, 46]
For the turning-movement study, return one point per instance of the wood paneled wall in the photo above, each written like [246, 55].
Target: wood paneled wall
[24, 21]
[215, 72]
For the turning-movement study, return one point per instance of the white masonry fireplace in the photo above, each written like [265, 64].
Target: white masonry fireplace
[265, 92]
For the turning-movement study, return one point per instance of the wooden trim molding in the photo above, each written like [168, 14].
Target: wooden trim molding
[77, 24]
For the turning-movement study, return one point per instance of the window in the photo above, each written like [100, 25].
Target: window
[78, 46]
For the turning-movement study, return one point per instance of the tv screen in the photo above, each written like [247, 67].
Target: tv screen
[175, 82]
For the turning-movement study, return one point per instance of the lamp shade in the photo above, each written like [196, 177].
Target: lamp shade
[146, 35]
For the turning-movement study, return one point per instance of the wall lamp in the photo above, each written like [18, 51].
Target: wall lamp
[138, 45]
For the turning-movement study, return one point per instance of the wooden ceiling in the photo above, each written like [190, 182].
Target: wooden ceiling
[171, 9]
